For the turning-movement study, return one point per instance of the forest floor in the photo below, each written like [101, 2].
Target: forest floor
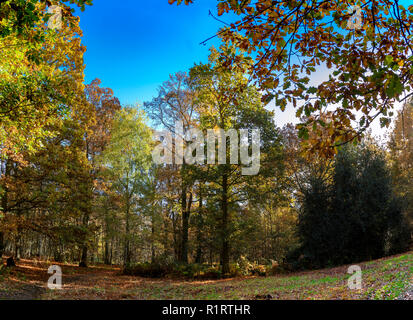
[387, 278]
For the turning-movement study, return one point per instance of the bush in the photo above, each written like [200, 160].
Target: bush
[275, 268]
[195, 271]
[258, 270]
[248, 268]
[148, 270]
[210, 273]
[297, 259]
[189, 270]
[157, 270]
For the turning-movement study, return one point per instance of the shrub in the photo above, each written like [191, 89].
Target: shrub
[149, 270]
[195, 271]
[258, 270]
[247, 268]
[213, 272]
[275, 268]
[235, 270]
[190, 271]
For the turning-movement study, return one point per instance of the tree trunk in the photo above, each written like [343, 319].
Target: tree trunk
[177, 243]
[106, 255]
[198, 257]
[84, 258]
[185, 228]
[4, 206]
[224, 229]
[17, 242]
[1, 244]
[86, 216]
[184, 236]
[152, 240]
[17, 247]
[126, 249]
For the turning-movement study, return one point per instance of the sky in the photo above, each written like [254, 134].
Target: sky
[133, 46]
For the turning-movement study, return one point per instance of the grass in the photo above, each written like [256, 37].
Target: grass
[383, 279]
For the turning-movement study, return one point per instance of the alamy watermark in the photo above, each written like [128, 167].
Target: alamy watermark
[55, 20]
[55, 281]
[190, 148]
[355, 20]
[355, 281]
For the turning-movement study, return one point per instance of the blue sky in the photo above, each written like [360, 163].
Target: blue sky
[133, 46]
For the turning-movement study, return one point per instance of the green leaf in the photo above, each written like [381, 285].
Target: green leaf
[303, 133]
[388, 60]
[312, 90]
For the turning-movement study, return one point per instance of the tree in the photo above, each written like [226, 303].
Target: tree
[39, 79]
[45, 192]
[225, 102]
[401, 157]
[22, 16]
[353, 215]
[291, 40]
[38, 95]
[128, 158]
[175, 103]
[102, 106]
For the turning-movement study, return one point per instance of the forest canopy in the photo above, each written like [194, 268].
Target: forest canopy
[78, 182]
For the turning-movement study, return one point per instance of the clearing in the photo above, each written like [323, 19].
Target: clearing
[387, 278]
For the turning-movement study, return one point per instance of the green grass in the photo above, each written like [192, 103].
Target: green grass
[383, 279]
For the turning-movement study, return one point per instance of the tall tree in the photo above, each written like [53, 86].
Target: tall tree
[38, 90]
[225, 101]
[175, 104]
[401, 157]
[128, 156]
[103, 107]
[352, 215]
[41, 73]
[45, 192]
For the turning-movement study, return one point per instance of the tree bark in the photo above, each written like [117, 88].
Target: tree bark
[198, 257]
[152, 240]
[185, 227]
[1, 244]
[4, 205]
[224, 229]
[84, 258]
[127, 254]
[106, 255]
[176, 237]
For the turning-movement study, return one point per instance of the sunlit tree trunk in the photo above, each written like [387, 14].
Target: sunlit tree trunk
[126, 249]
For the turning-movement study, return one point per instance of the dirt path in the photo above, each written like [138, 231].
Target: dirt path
[28, 281]
[24, 292]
